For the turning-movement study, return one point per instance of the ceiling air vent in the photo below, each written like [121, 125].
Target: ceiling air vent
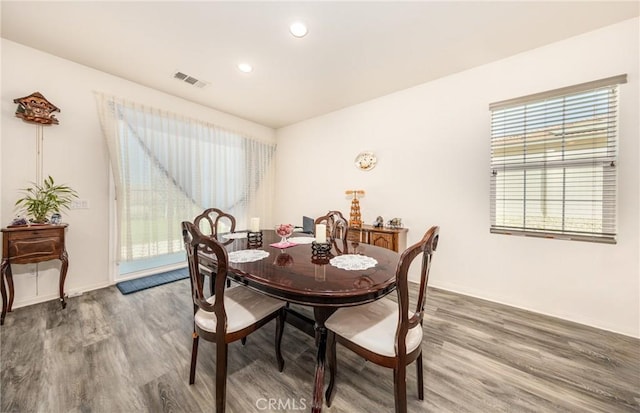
[190, 79]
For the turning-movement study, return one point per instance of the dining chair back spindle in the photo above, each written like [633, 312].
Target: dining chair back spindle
[386, 332]
[215, 222]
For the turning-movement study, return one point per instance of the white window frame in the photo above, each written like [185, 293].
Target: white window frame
[553, 163]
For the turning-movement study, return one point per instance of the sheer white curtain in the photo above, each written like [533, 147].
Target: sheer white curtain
[168, 168]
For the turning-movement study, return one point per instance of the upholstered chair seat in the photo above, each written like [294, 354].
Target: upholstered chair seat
[244, 307]
[372, 326]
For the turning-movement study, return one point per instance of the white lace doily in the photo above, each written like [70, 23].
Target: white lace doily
[247, 256]
[235, 235]
[353, 262]
[302, 240]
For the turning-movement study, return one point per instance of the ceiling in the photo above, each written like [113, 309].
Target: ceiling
[354, 51]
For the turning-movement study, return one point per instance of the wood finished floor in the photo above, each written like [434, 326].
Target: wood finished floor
[119, 354]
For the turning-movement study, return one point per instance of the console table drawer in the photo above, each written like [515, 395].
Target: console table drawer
[31, 245]
[25, 251]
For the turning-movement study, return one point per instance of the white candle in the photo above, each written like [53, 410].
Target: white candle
[255, 224]
[321, 233]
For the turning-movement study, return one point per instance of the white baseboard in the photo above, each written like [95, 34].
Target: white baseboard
[68, 293]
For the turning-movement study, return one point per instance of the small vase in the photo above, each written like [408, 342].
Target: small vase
[284, 231]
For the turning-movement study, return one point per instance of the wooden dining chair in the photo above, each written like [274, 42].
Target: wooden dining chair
[215, 222]
[229, 314]
[386, 332]
[337, 227]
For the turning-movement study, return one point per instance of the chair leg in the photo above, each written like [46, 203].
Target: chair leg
[419, 374]
[194, 358]
[221, 377]
[333, 366]
[279, 332]
[243, 340]
[400, 388]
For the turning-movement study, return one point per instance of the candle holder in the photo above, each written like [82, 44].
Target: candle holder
[254, 238]
[320, 249]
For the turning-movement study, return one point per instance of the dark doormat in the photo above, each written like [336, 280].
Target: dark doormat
[142, 283]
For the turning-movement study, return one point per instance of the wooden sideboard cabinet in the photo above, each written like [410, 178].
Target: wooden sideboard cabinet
[28, 245]
[391, 238]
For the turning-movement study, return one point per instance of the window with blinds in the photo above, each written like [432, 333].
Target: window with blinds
[553, 163]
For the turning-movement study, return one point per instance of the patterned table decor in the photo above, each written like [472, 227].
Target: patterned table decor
[283, 245]
[321, 250]
[302, 240]
[353, 262]
[247, 256]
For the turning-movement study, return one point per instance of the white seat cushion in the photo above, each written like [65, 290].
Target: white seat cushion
[243, 306]
[373, 326]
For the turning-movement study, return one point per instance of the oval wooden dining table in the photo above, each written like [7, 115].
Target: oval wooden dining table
[295, 275]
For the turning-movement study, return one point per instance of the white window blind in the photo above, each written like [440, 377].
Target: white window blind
[553, 163]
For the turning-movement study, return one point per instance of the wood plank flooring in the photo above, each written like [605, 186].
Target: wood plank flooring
[119, 354]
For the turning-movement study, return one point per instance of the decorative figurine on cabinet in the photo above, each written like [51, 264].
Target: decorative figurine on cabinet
[355, 217]
[395, 223]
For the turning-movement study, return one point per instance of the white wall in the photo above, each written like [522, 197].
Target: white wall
[75, 154]
[432, 143]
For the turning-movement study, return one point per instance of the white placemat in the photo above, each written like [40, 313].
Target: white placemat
[235, 235]
[247, 256]
[353, 262]
[302, 240]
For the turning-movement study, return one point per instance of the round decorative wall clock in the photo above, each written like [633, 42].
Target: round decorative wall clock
[365, 161]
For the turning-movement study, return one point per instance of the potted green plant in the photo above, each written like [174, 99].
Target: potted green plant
[41, 200]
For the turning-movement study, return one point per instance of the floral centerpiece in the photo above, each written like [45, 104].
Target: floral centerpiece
[284, 231]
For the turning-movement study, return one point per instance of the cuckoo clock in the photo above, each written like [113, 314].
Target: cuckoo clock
[36, 108]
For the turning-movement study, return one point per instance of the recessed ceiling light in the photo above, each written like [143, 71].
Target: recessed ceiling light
[245, 67]
[298, 29]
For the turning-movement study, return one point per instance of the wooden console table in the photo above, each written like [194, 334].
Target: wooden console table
[28, 245]
[394, 239]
